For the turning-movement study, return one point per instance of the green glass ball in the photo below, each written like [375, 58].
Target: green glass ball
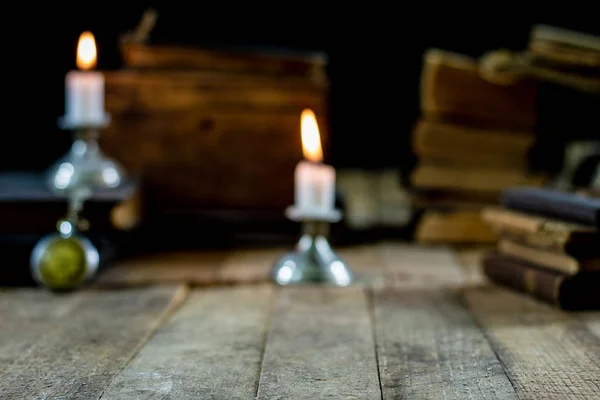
[63, 264]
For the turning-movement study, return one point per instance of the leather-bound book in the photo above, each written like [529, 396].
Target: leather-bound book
[565, 49]
[561, 263]
[442, 176]
[578, 292]
[561, 205]
[463, 145]
[576, 240]
[453, 90]
[458, 226]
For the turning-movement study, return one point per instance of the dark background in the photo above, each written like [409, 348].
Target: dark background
[375, 54]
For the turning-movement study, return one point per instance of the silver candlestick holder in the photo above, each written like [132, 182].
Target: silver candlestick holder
[65, 259]
[312, 260]
[84, 168]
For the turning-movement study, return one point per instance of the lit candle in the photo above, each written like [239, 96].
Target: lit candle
[84, 99]
[314, 181]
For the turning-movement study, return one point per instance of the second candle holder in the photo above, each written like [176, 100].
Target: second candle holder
[313, 260]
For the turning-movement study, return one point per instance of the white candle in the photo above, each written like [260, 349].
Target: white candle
[84, 97]
[314, 181]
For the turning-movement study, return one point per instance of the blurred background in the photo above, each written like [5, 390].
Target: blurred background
[375, 56]
[215, 151]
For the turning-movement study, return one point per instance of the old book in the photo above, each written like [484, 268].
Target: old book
[469, 146]
[558, 262]
[453, 226]
[577, 292]
[212, 139]
[28, 207]
[555, 204]
[565, 48]
[429, 175]
[543, 233]
[448, 200]
[452, 89]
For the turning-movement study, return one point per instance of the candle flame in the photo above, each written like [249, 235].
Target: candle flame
[311, 140]
[86, 51]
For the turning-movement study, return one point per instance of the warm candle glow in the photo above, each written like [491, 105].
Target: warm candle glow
[86, 51]
[311, 140]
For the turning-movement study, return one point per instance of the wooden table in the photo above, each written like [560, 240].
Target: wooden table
[420, 325]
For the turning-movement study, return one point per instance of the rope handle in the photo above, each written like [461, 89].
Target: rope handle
[141, 33]
[505, 67]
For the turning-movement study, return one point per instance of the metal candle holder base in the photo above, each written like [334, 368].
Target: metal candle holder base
[66, 259]
[312, 260]
[84, 168]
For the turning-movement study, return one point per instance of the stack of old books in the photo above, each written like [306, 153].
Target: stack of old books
[471, 142]
[549, 246]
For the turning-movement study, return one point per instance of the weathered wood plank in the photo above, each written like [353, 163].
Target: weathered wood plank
[429, 347]
[194, 268]
[420, 267]
[365, 262]
[26, 315]
[211, 348]
[78, 359]
[546, 353]
[592, 321]
[249, 266]
[469, 260]
[320, 345]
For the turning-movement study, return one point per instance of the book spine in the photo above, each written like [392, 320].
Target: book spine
[540, 242]
[558, 262]
[543, 233]
[586, 248]
[541, 284]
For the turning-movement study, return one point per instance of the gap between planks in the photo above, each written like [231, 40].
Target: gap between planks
[427, 343]
[546, 353]
[212, 347]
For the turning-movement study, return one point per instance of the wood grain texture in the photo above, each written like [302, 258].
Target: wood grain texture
[207, 90]
[27, 315]
[186, 125]
[592, 321]
[211, 348]
[470, 261]
[249, 266]
[239, 266]
[546, 353]
[320, 345]
[420, 267]
[310, 65]
[365, 262]
[78, 359]
[194, 268]
[429, 347]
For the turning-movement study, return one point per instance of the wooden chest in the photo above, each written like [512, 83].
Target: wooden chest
[209, 134]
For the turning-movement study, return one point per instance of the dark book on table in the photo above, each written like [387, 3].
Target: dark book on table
[569, 292]
[565, 206]
[28, 207]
